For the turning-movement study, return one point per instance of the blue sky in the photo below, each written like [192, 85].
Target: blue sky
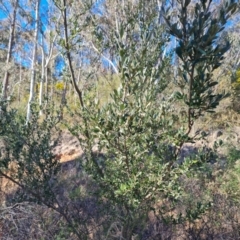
[3, 14]
[43, 7]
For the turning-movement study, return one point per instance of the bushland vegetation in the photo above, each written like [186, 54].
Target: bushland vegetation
[146, 170]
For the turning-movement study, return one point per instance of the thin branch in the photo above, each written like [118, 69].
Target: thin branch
[79, 92]
[110, 62]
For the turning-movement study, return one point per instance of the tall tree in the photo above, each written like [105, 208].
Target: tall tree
[47, 50]
[5, 84]
[34, 57]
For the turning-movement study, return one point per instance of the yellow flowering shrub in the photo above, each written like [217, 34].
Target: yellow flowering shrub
[59, 86]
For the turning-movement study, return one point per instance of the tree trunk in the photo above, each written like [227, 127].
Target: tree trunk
[43, 75]
[19, 85]
[5, 85]
[33, 70]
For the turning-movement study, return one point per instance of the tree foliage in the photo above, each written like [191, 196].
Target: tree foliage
[137, 130]
[139, 133]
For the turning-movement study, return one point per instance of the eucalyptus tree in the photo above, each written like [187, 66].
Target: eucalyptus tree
[16, 15]
[34, 57]
[48, 47]
[10, 48]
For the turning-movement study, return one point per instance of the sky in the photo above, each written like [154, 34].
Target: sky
[3, 14]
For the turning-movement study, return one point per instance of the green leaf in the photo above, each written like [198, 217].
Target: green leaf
[178, 95]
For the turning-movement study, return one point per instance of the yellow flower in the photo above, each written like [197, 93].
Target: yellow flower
[59, 86]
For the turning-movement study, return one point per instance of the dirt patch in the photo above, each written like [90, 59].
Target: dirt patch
[68, 148]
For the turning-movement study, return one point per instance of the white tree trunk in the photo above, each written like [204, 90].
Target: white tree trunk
[45, 63]
[43, 74]
[33, 70]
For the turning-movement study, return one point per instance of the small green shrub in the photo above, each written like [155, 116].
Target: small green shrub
[233, 156]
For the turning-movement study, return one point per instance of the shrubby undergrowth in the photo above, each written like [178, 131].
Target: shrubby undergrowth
[139, 134]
